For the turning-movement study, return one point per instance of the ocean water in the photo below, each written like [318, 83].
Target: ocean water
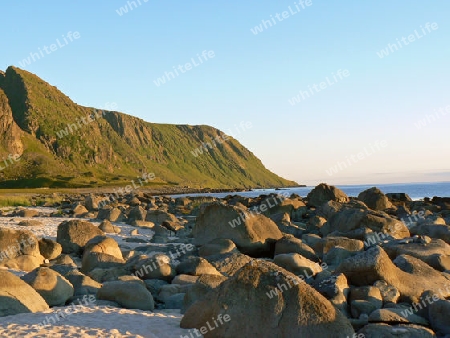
[416, 191]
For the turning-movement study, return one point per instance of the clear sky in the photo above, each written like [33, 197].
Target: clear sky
[359, 114]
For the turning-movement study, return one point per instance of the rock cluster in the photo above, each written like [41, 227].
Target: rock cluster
[273, 266]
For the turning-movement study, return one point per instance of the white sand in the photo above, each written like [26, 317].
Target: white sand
[96, 321]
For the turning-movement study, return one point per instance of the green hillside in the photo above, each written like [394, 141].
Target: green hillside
[106, 148]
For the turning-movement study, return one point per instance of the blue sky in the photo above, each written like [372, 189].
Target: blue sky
[252, 77]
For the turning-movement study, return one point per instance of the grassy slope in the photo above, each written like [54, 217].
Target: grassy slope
[117, 147]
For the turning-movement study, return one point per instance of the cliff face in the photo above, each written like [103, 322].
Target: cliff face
[65, 144]
[10, 141]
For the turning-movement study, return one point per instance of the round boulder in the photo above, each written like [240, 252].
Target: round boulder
[107, 227]
[130, 295]
[19, 250]
[16, 296]
[253, 234]
[74, 234]
[53, 287]
[49, 248]
[375, 199]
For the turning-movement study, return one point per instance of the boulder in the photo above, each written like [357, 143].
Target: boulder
[370, 294]
[108, 274]
[175, 301]
[80, 210]
[169, 290]
[92, 202]
[297, 264]
[435, 253]
[111, 214]
[438, 312]
[28, 213]
[395, 316]
[101, 252]
[53, 287]
[154, 285]
[349, 244]
[157, 266]
[159, 216]
[107, 227]
[374, 264]
[335, 289]
[380, 223]
[49, 248]
[217, 246]
[74, 234]
[361, 308]
[172, 226]
[16, 296]
[19, 249]
[336, 255]
[395, 331]
[290, 244]
[31, 223]
[130, 295]
[356, 222]
[200, 289]
[388, 292]
[196, 266]
[252, 233]
[375, 199]
[315, 242]
[137, 214]
[278, 204]
[344, 219]
[82, 284]
[185, 279]
[435, 231]
[100, 260]
[324, 193]
[296, 310]
[228, 264]
[398, 197]
[103, 244]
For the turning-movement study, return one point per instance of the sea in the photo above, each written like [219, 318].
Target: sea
[417, 191]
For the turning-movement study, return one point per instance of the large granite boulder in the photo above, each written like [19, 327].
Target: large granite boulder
[101, 252]
[375, 199]
[324, 193]
[275, 303]
[253, 234]
[74, 234]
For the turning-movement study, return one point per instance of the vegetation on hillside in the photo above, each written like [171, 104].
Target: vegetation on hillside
[114, 148]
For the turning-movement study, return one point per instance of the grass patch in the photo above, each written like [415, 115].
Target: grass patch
[14, 201]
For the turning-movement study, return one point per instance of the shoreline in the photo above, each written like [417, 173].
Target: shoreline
[155, 191]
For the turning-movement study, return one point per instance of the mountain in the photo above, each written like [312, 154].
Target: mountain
[63, 144]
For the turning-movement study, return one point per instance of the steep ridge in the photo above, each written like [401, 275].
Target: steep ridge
[65, 144]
